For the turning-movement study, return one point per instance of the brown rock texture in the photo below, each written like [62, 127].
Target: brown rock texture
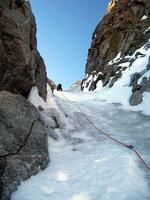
[52, 84]
[21, 65]
[122, 30]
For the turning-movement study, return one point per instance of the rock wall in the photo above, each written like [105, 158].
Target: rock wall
[123, 30]
[23, 142]
[21, 65]
[23, 136]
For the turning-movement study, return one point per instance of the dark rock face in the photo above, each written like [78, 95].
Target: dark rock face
[136, 98]
[138, 88]
[21, 66]
[121, 32]
[23, 137]
[23, 142]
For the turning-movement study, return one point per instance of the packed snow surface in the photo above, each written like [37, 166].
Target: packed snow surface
[84, 164]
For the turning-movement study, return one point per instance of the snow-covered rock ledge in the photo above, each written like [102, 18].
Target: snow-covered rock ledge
[132, 89]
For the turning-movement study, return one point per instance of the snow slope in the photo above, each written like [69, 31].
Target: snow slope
[121, 90]
[85, 165]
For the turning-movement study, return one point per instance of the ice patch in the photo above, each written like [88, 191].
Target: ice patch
[47, 190]
[35, 99]
[117, 58]
[82, 196]
[99, 85]
[144, 17]
[147, 30]
[62, 176]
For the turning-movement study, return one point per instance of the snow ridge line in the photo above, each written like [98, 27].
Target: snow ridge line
[110, 137]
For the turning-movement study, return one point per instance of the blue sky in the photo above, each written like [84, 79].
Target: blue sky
[64, 31]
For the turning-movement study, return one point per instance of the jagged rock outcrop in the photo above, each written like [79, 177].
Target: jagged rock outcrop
[52, 84]
[21, 65]
[123, 30]
[23, 142]
[76, 87]
[77, 83]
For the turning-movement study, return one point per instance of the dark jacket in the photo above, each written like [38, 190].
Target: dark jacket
[59, 87]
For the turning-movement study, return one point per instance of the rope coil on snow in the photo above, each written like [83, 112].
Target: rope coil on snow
[131, 147]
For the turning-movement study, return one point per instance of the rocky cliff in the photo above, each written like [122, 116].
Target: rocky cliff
[21, 65]
[23, 136]
[117, 43]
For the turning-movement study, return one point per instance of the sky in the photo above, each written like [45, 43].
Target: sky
[64, 32]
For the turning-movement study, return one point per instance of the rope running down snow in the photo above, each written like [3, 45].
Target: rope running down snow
[110, 137]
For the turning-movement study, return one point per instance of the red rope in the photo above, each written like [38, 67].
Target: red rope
[110, 137]
[141, 159]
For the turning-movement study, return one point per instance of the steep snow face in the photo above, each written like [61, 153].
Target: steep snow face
[85, 165]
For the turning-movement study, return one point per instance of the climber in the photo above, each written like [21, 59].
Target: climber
[59, 87]
[53, 87]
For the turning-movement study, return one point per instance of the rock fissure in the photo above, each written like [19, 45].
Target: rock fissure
[23, 144]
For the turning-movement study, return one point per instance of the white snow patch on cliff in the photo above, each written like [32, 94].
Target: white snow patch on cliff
[144, 17]
[121, 92]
